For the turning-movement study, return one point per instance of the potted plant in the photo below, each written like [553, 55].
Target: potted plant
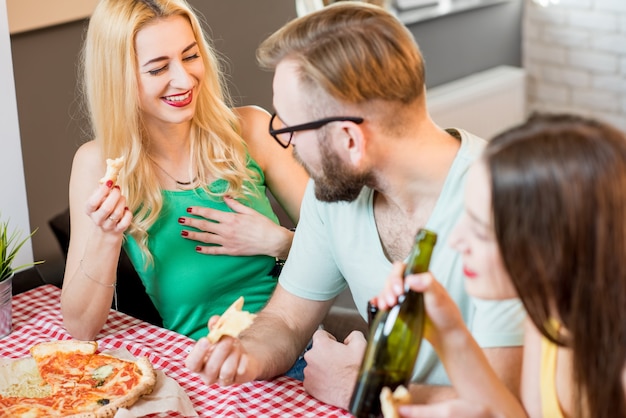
[10, 244]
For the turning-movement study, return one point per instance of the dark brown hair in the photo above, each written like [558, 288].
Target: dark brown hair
[559, 207]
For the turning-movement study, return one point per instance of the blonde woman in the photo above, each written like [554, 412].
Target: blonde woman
[189, 206]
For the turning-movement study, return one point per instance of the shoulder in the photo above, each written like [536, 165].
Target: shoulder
[89, 152]
[254, 122]
[471, 145]
[88, 163]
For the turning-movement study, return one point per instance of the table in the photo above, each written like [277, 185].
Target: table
[37, 318]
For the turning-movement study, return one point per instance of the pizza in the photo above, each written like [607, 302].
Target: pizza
[113, 169]
[389, 400]
[70, 379]
[232, 322]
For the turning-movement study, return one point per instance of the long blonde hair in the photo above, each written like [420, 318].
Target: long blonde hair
[111, 92]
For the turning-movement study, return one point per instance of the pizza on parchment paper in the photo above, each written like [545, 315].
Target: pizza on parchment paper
[69, 379]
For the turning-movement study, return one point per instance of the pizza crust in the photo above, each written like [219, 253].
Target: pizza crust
[41, 350]
[389, 401]
[232, 322]
[113, 169]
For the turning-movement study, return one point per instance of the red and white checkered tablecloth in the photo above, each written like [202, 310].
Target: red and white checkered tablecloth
[37, 318]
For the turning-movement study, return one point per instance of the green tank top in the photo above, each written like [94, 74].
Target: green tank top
[186, 287]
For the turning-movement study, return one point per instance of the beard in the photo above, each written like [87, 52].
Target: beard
[336, 182]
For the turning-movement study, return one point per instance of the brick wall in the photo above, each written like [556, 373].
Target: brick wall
[575, 55]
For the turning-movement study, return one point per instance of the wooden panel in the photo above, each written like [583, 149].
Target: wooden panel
[25, 15]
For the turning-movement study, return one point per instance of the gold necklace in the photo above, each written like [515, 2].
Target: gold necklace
[179, 184]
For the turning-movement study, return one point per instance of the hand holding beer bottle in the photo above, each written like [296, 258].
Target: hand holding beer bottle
[394, 339]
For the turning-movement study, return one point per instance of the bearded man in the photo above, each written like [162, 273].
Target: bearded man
[350, 98]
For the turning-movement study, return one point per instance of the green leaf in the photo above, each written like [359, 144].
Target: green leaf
[10, 245]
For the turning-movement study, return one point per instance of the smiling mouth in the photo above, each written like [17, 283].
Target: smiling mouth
[179, 99]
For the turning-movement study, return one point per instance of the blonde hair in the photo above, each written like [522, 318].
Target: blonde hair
[112, 95]
[355, 52]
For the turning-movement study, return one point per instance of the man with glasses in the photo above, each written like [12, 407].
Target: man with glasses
[350, 98]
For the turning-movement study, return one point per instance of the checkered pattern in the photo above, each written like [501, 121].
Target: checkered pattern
[37, 318]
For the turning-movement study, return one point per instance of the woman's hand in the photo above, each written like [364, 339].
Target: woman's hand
[107, 209]
[443, 315]
[241, 232]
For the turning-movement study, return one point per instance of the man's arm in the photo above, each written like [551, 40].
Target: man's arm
[268, 348]
[282, 331]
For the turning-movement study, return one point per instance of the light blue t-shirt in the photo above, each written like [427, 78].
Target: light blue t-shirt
[337, 245]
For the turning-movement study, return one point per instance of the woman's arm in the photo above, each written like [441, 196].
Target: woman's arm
[98, 219]
[472, 376]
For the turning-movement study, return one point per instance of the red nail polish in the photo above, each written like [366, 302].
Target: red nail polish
[198, 249]
[125, 208]
[181, 220]
[188, 210]
[109, 183]
[117, 187]
[184, 233]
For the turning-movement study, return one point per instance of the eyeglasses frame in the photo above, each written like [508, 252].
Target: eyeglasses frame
[308, 126]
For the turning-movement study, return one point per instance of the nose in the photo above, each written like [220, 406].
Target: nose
[180, 77]
[456, 240]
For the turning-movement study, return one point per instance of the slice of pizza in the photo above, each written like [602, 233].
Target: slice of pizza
[232, 322]
[114, 165]
[62, 363]
[389, 401]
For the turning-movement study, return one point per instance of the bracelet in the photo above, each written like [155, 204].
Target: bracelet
[92, 279]
[113, 285]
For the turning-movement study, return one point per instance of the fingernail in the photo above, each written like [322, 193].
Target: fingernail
[109, 183]
[125, 208]
[198, 249]
[184, 233]
[117, 187]
[181, 220]
[188, 210]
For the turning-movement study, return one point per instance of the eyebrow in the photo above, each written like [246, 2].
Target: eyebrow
[157, 59]
[476, 219]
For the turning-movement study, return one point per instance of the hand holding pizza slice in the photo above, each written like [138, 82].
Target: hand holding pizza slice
[113, 169]
[232, 322]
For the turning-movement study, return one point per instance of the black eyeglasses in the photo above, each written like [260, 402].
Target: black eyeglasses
[284, 135]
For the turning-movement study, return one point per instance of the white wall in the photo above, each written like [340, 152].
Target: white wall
[575, 56]
[13, 204]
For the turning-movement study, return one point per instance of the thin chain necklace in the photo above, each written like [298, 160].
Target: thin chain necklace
[182, 185]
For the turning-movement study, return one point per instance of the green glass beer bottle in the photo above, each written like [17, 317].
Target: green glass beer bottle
[394, 338]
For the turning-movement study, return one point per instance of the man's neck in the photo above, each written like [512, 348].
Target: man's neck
[409, 183]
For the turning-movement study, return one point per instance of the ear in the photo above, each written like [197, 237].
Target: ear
[353, 142]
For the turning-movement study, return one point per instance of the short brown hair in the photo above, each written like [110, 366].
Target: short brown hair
[355, 52]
